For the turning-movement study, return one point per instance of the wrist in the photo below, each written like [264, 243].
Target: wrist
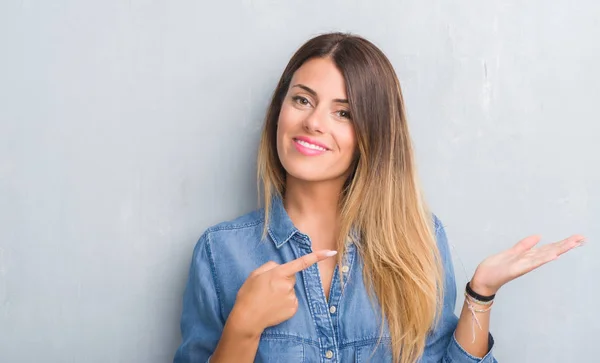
[482, 288]
[240, 324]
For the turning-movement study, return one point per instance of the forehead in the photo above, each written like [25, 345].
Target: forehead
[323, 76]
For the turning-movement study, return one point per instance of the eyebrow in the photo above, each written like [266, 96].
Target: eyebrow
[312, 92]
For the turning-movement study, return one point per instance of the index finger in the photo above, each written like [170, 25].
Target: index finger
[565, 245]
[304, 262]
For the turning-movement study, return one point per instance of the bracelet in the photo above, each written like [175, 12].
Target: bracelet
[478, 302]
[474, 317]
[473, 309]
[476, 296]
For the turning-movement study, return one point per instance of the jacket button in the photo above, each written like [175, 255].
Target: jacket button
[332, 309]
[329, 354]
[345, 269]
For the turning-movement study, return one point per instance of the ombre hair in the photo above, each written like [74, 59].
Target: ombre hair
[381, 202]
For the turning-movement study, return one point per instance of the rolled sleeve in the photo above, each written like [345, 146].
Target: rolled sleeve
[456, 353]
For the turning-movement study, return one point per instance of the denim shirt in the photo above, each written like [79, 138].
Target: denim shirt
[345, 328]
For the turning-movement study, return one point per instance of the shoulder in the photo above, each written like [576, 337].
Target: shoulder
[236, 233]
[248, 220]
[231, 250]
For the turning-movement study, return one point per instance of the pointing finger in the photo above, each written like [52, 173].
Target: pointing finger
[304, 262]
[264, 268]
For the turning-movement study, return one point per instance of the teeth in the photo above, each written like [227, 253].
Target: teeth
[310, 146]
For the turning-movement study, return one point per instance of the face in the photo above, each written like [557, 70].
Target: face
[315, 134]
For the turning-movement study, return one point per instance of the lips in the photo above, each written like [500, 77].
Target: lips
[311, 143]
[309, 147]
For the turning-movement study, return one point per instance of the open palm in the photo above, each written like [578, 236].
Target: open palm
[520, 259]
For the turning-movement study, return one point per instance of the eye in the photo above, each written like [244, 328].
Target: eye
[301, 100]
[344, 114]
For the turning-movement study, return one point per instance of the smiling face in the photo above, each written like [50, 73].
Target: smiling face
[315, 136]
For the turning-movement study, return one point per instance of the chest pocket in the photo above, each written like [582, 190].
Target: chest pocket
[278, 350]
[381, 353]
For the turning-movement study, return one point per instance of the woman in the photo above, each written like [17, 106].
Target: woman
[337, 170]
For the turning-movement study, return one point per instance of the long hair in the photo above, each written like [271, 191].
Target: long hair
[381, 202]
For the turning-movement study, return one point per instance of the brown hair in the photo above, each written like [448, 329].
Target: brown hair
[381, 200]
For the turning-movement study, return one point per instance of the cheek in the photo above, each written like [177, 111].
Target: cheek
[285, 121]
[347, 141]
[279, 139]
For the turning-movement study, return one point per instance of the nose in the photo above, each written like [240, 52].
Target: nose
[315, 122]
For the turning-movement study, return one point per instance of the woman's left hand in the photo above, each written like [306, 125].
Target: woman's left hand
[522, 258]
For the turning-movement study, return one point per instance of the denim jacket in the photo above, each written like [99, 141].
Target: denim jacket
[344, 328]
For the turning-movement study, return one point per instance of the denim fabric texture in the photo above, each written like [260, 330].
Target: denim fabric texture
[345, 328]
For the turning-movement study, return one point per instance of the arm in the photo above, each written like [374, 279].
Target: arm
[451, 340]
[205, 335]
[491, 274]
[266, 298]
[471, 336]
[236, 344]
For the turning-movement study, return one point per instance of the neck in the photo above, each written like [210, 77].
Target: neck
[313, 206]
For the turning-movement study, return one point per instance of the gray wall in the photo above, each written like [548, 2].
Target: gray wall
[128, 127]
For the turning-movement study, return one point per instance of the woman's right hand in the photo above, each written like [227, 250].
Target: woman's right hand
[267, 297]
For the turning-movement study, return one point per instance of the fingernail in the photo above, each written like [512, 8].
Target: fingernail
[330, 253]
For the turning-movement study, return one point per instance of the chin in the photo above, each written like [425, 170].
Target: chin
[309, 173]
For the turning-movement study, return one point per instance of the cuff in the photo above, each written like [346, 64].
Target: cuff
[455, 350]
